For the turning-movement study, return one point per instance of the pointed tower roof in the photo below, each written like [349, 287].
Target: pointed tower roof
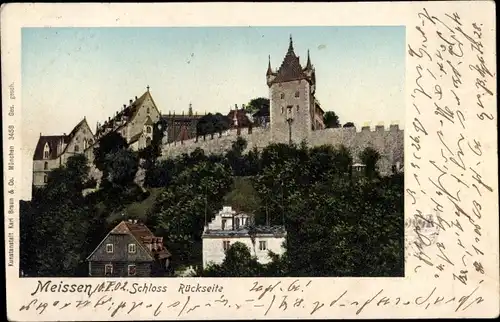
[290, 68]
[269, 69]
[308, 65]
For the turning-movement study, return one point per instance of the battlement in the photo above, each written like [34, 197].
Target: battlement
[388, 142]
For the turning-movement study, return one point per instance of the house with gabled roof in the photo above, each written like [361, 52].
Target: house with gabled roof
[52, 151]
[130, 249]
[134, 121]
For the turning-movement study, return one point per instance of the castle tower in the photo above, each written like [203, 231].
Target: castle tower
[291, 95]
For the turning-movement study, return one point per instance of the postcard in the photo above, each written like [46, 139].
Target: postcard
[250, 161]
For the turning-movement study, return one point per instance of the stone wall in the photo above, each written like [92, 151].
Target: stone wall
[388, 142]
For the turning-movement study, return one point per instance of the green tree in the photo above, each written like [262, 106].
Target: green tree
[121, 167]
[59, 233]
[108, 144]
[256, 104]
[331, 119]
[370, 157]
[194, 196]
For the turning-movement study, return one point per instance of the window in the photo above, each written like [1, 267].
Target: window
[282, 110]
[225, 245]
[131, 248]
[108, 269]
[147, 111]
[77, 139]
[77, 148]
[148, 129]
[45, 154]
[224, 223]
[282, 95]
[45, 178]
[297, 94]
[45, 165]
[262, 245]
[109, 248]
[237, 222]
[131, 270]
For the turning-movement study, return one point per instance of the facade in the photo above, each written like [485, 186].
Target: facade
[180, 127]
[52, 151]
[134, 121]
[294, 109]
[129, 250]
[229, 227]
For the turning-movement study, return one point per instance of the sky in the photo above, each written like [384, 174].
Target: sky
[69, 73]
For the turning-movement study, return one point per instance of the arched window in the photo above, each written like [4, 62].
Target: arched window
[46, 151]
[45, 178]
[147, 110]
[45, 165]
[148, 129]
[84, 144]
[77, 148]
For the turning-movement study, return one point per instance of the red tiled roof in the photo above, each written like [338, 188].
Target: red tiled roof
[142, 234]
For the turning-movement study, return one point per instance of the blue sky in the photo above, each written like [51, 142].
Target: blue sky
[68, 73]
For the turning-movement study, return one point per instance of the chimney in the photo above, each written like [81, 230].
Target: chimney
[130, 102]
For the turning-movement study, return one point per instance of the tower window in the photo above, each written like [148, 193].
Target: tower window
[148, 129]
[282, 95]
[77, 148]
[297, 94]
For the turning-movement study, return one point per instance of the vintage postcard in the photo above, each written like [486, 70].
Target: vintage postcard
[250, 160]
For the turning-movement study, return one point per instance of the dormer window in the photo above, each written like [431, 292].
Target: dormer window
[131, 248]
[109, 248]
[46, 151]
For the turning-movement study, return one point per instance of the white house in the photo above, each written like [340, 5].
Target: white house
[229, 227]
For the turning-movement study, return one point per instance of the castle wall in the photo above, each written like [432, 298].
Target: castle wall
[388, 142]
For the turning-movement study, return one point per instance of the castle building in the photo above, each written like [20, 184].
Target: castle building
[229, 227]
[134, 122]
[294, 109]
[52, 151]
[180, 127]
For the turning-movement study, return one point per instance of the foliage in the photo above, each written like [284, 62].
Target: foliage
[337, 224]
[194, 196]
[121, 167]
[369, 157]
[210, 124]
[349, 124]
[58, 227]
[257, 104]
[331, 119]
[108, 144]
